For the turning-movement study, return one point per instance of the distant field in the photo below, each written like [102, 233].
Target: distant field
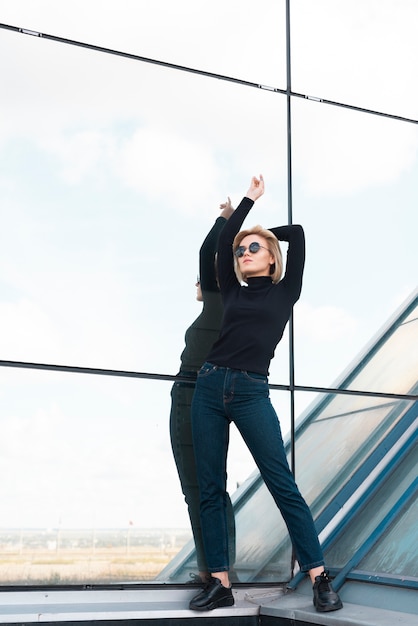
[92, 556]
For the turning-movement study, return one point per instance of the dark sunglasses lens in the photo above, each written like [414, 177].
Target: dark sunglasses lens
[239, 252]
[254, 246]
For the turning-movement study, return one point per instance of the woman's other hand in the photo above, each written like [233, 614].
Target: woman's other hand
[226, 209]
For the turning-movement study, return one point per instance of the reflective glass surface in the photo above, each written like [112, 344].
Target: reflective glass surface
[334, 444]
[394, 366]
[263, 549]
[90, 479]
[112, 175]
[353, 188]
[112, 171]
[346, 429]
[395, 551]
[92, 490]
[218, 37]
[359, 53]
[343, 434]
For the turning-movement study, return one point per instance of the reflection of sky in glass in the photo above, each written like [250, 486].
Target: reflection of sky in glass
[342, 441]
[394, 368]
[399, 546]
[396, 550]
[347, 428]
[111, 173]
[334, 441]
[86, 451]
[356, 52]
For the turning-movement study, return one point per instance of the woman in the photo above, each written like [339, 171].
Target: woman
[233, 386]
[199, 339]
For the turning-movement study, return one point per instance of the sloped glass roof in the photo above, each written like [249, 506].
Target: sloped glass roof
[360, 487]
[393, 550]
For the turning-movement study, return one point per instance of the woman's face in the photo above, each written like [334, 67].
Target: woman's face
[199, 296]
[255, 263]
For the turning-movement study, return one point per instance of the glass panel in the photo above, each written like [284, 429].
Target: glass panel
[396, 552]
[262, 536]
[91, 478]
[94, 476]
[395, 365]
[360, 53]
[335, 437]
[343, 431]
[263, 550]
[112, 175]
[220, 37]
[112, 171]
[354, 188]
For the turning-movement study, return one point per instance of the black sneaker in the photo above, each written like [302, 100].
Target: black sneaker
[213, 596]
[324, 597]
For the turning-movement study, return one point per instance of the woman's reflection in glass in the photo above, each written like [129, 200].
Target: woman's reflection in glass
[199, 338]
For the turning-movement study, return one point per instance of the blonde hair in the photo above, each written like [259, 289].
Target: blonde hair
[274, 248]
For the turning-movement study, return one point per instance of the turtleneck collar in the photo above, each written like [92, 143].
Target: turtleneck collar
[258, 282]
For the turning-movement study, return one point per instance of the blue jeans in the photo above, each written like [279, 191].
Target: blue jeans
[182, 445]
[225, 395]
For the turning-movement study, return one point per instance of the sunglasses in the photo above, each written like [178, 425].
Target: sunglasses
[253, 248]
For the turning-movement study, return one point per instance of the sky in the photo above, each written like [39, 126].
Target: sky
[111, 173]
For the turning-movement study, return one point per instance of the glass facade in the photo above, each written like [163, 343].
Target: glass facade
[365, 445]
[119, 138]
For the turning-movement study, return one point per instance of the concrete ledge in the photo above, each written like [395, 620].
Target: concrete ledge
[158, 605]
[293, 607]
[28, 607]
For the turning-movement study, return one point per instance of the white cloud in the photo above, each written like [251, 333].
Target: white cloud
[27, 329]
[367, 152]
[358, 53]
[324, 324]
[80, 154]
[166, 166]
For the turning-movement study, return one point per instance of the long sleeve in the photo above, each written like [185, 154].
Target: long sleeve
[226, 272]
[255, 315]
[207, 271]
[295, 237]
[203, 332]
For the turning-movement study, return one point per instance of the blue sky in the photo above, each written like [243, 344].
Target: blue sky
[111, 173]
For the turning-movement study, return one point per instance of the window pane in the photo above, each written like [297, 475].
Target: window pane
[94, 477]
[343, 431]
[355, 194]
[263, 550]
[395, 553]
[220, 37]
[91, 478]
[360, 53]
[112, 174]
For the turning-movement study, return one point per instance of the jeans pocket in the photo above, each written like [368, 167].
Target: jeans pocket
[254, 377]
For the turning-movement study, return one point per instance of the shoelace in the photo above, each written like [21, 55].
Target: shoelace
[324, 583]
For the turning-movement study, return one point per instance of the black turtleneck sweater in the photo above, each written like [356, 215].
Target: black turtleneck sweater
[256, 315]
[201, 335]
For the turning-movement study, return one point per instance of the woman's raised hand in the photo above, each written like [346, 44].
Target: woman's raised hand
[226, 209]
[256, 188]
